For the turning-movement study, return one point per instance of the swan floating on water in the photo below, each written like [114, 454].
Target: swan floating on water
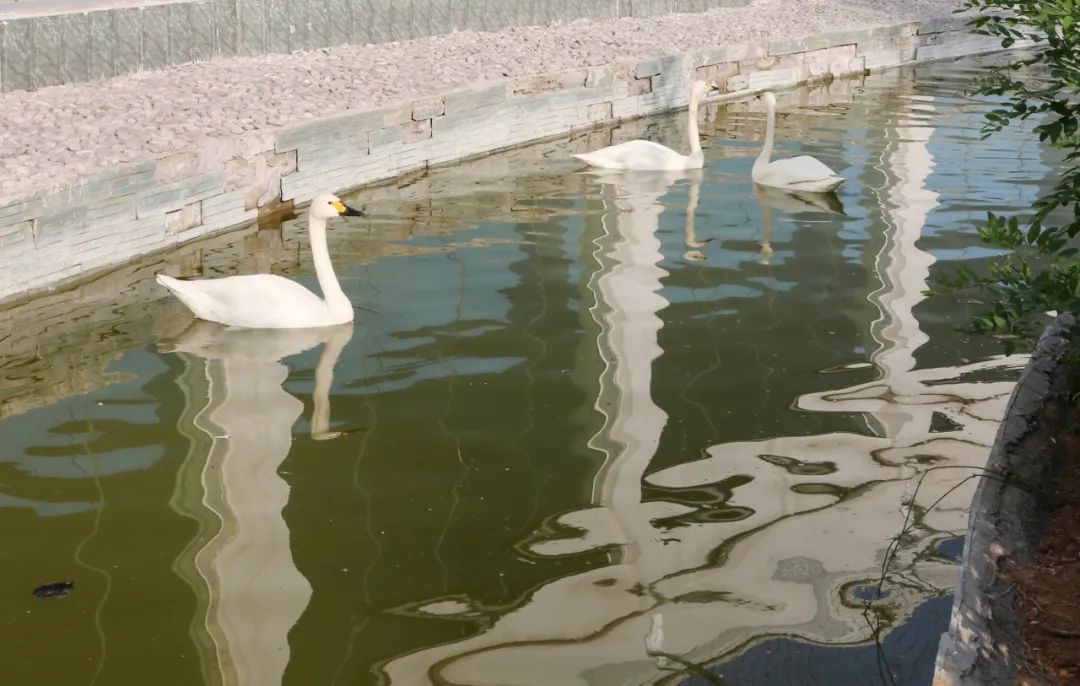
[267, 301]
[649, 156]
[802, 173]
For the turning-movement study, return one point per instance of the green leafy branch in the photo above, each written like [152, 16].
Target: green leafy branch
[1038, 273]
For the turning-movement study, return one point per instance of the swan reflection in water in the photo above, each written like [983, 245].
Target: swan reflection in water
[641, 194]
[791, 202]
[693, 245]
[253, 591]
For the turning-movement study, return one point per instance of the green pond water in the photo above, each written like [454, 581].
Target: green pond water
[586, 429]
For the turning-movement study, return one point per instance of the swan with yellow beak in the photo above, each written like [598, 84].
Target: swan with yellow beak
[267, 301]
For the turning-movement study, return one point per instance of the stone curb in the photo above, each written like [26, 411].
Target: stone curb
[981, 645]
[108, 218]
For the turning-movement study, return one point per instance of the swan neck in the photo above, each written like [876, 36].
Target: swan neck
[324, 379]
[337, 304]
[691, 209]
[692, 126]
[770, 128]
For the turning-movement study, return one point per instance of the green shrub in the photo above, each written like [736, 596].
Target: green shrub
[1040, 272]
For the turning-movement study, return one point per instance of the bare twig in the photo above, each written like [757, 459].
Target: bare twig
[1064, 633]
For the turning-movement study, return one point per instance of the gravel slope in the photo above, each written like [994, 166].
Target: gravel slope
[54, 134]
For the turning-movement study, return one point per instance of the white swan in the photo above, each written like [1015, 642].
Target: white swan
[266, 301]
[649, 156]
[803, 173]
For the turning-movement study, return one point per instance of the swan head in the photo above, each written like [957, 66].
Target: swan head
[328, 206]
[701, 88]
[769, 98]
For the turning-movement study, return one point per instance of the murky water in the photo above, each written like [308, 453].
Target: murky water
[586, 429]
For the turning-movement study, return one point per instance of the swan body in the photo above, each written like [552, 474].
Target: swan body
[802, 173]
[255, 301]
[649, 156]
[266, 301]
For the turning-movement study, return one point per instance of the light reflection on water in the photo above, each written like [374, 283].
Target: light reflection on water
[586, 425]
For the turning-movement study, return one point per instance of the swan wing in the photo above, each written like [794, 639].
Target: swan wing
[637, 154]
[800, 173]
[255, 301]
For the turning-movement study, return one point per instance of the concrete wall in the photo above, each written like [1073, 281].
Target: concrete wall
[106, 219]
[51, 49]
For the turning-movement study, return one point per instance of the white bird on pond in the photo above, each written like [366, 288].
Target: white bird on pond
[802, 173]
[267, 301]
[649, 156]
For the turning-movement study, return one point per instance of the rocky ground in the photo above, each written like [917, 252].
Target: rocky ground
[52, 135]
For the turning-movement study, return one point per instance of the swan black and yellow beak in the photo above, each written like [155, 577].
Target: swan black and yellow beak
[711, 86]
[346, 211]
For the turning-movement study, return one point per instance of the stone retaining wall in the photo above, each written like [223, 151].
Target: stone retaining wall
[109, 218]
[47, 50]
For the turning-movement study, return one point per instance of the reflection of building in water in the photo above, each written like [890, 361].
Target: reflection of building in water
[815, 513]
[240, 421]
[627, 302]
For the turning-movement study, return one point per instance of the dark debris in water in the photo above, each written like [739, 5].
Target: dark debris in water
[58, 589]
[869, 592]
[800, 467]
[951, 548]
[940, 423]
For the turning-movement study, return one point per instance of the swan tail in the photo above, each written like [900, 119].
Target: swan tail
[595, 160]
[834, 183]
[825, 185]
[200, 304]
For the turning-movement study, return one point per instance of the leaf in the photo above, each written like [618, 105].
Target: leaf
[1040, 271]
[1033, 232]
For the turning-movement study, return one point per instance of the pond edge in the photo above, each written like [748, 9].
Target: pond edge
[1008, 514]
